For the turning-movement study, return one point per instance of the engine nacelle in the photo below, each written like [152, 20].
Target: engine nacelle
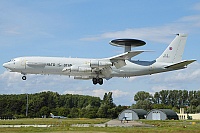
[82, 77]
[99, 64]
[85, 69]
[77, 69]
[74, 69]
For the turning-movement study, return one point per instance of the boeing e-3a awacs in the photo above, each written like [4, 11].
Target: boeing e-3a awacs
[105, 68]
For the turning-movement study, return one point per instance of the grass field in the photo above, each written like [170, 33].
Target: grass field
[63, 125]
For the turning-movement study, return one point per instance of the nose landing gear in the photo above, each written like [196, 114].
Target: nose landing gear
[23, 77]
[97, 80]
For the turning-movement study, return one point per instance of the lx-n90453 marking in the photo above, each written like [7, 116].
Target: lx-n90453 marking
[105, 68]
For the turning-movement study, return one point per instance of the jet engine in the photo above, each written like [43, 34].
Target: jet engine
[99, 64]
[77, 69]
[82, 77]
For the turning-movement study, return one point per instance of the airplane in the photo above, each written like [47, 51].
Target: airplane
[59, 117]
[105, 68]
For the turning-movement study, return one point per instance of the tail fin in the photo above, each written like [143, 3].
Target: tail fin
[174, 51]
[52, 115]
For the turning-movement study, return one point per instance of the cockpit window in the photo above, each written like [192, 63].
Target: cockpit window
[12, 60]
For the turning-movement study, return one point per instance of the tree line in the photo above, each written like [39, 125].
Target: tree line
[69, 105]
[80, 106]
[169, 99]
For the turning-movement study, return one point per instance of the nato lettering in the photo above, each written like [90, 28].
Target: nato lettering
[51, 64]
[67, 65]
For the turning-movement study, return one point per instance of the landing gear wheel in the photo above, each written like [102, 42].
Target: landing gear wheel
[94, 80]
[97, 80]
[24, 77]
[100, 81]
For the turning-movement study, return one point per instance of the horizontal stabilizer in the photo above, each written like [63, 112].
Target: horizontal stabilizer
[181, 64]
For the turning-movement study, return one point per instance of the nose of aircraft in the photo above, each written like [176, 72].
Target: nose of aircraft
[5, 65]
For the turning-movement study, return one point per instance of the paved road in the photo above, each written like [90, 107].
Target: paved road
[24, 125]
[111, 123]
[114, 123]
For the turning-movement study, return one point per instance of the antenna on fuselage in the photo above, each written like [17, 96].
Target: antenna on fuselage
[127, 43]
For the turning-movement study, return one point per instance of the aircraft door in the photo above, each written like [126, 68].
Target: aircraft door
[151, 68]
[23, 63]
[129, 116]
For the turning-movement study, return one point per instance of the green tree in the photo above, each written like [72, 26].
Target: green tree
[44, 111]
[161, 106]
[142, 95]
[194, 102]
[103, 111]
[106, 108]
[74, 113]
[164, 96]
[108, 100]
[190, 97]
[198, 109]
[62, 111]
[185, 97]
[145, 104]
[180, 99]
[191, 109]
[198, 96]
[156, 98]
[173, 98]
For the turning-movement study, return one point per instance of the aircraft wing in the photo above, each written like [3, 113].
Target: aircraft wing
[103, 66]
[128, 55]
[181, 64]
[119, 60]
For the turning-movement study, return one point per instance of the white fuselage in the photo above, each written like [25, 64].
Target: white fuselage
[55, 65]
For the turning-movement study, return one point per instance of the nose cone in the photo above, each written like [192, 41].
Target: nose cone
[5, 65]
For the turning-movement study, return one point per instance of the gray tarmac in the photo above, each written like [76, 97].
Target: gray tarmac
[115, 123]
[111, 123]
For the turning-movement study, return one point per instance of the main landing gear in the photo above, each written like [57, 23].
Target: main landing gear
[97, 80]
[23, 77]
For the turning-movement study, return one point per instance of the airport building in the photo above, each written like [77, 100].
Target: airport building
[185, 116]
[132, 114]
[156, 114]
[162, 114]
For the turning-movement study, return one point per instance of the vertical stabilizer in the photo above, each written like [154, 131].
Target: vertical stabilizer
[52, 115]
[174, 51]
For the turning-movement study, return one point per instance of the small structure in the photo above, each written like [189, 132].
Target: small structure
[162, 114]
[132, 114]
[185, 116]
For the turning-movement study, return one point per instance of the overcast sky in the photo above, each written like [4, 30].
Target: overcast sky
[83, 28]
